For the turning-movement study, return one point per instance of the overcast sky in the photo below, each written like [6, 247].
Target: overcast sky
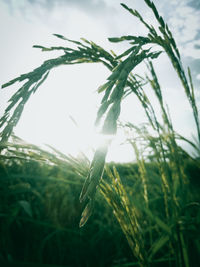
[70, 91]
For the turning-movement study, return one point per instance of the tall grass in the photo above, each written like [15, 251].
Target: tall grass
[154, 215]
[40, 212]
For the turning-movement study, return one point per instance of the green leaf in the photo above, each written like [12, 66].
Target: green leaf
[10, 83]
[86, 213]
[129, 9]
[126, 52]
[122, 38]
[103, 87]
[85, 40]
[123, 75]
[158, 245]
[155, 54]
[60, 36]
[101, 111]
[66, 39]
[40, 82]
[107, 92]
[118, 91]
[110, 123]
[26, 206]
[114, 75]
[159, 222]
[42, 47]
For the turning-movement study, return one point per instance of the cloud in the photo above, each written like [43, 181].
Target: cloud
[88, 6]
[194, 3]
[183, 18]
[185, 21]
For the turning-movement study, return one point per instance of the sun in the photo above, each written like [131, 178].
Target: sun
[62, 114]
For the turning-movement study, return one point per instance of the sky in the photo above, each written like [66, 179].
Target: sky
[69, 93]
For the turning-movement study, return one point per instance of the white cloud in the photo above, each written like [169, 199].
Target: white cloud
[184, 22]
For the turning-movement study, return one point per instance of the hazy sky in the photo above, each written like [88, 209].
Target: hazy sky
[71, 90]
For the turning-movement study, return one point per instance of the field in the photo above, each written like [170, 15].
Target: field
[58, 210]
[40, 213]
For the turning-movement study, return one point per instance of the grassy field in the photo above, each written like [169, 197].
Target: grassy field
[142, 214]
[40, 213]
